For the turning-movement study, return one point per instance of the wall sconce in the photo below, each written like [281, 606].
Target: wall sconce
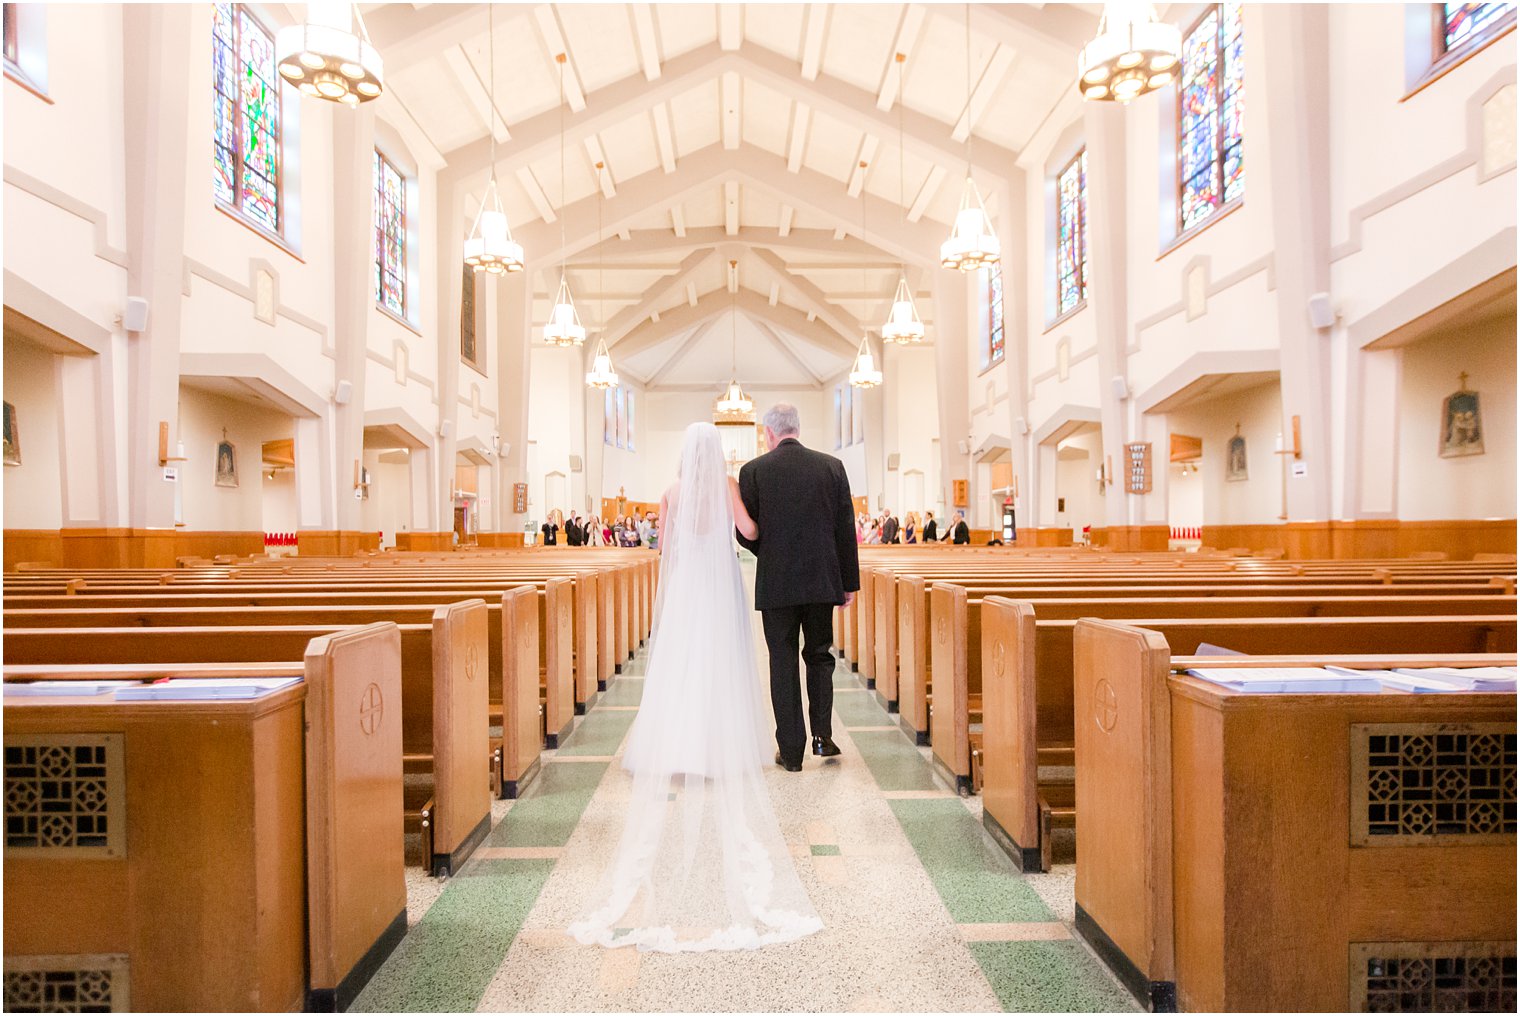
[1297, 451]
[164, 458]
[361, 482]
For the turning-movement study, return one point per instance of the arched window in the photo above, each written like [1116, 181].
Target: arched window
[246, 117]
[994, 351]
[390, 236]
[1210, 116]
[1071, 237]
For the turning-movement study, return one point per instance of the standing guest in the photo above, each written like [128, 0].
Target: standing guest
[910, 529]
[960, 533]
[931, 528]
[573, 531]
[651, 531]
[550, 529]
[596, 536]
[889, 527]
[630, 536]
[873, 532]
[616, 540]
[862, 523]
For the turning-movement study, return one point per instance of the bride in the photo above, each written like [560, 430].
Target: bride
[701, 864]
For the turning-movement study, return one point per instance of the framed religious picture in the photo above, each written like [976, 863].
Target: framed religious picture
[12, 437]
[226, 463]
[1235, 462]
[1461, 423]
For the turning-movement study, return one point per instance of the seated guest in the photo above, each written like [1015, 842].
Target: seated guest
[931, 528]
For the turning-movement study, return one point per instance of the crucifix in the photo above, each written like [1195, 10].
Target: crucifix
[1462, 381]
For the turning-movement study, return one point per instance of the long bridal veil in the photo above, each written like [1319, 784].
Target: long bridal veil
[701, 863]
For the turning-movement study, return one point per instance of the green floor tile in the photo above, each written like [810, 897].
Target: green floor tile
[625, 691]
[446, 961]
[894, 762]
[825, 849]
[599, 733]
[977, 881]
[1049, 977]
[858, 708]
[546, 815]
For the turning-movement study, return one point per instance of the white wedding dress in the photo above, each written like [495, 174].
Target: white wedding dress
[701, 863]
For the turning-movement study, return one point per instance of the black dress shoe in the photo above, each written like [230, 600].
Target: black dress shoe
[824, 747]
[791, 767]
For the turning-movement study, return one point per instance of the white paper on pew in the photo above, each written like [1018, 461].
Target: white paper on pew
[185, 689]
[1413, 682]
[69, 688]
[1286, 680]
[1466, 678]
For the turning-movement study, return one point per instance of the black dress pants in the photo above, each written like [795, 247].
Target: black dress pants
[816, 624]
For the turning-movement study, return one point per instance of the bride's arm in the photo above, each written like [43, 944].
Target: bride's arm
[742, 521]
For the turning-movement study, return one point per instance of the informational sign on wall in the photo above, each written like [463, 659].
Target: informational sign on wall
[519, 498]
[1137, 460]
[960, 492]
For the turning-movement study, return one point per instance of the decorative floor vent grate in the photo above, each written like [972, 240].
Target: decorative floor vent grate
[1432, 783]
[64, 795]
[66, 984]
[1433, 977]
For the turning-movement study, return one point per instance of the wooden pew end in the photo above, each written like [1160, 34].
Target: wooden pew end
[1157, 996]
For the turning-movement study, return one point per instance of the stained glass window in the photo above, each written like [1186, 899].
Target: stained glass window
[1210, 116]
[390, 236]
[12, 41]
[1071, 254]
[994, 313]
[246, 117]
[609, 416]
[847, 421]
[1466, 23]
[631, 394]
[838, 416]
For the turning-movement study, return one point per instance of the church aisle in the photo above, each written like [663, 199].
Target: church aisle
[922, 911]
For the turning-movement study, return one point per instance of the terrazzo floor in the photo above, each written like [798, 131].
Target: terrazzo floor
[922, 911]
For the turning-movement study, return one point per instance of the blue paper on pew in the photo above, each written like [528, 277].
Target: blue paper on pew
[189, 689]
[73, 689]
[1287, 681]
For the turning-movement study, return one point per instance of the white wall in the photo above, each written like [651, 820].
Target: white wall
[1468, 487]
[1257, 499]
[33, 490]
[666, 416]
[1077, 462]
[202, 417]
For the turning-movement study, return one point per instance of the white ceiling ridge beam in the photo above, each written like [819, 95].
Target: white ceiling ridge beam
[406, 35]
[730, 26]
[475, 92]
[863, 162]
[813, 36]
[780, 388]
[808, 191]
[795, 323]
[730, 111]
[536, 193]
[982, 93]
[678, 221]
[691, 293]
[553, 36]
[927, 191]
[697, 333]
[764, 327]
[784, 223]
[908, 27]
[594, 155]
[629, 318]
[648, 334]
[731, 207]
[664, 136]
[538, 136]
[924, 136]
[648, 39]
[807, 296]
[795, 241]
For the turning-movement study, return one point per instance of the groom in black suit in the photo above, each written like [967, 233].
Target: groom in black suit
[808, 565]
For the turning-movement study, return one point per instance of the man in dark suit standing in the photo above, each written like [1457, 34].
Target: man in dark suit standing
[573, 531]
[808, 565]
[931, 528]
[889, 528]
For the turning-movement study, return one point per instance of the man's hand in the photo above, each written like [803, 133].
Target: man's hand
[849, 599]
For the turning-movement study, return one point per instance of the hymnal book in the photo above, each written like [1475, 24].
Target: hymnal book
[69, 688]
[189, 688]
[1287, 680]
[1466, 678]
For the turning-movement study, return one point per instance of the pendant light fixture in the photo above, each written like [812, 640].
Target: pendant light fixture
[326, 59]
[903, 323]
[564, 328]
[865, 374]
[490, 247]
[735, 404]
[1134, 53]
[973, 244]
[601, 375]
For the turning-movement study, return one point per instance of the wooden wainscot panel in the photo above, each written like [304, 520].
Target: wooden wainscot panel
[1460, 539]
[38, 546]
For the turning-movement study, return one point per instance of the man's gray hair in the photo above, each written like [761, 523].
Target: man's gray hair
[782, 419]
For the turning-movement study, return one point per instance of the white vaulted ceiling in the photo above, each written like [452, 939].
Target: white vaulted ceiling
[729, 132]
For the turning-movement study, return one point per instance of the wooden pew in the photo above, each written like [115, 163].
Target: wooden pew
[1028, 700]
[443, 701]
[309, 869]
[1192, 898]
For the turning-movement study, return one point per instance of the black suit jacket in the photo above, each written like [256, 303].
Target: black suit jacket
[800, 499]
[889, 530]
[960, 533]
[931, 531]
